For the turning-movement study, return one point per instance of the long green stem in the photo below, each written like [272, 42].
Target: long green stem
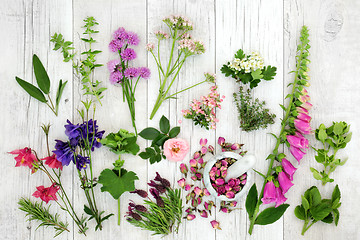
[185, 89]
[119, 215]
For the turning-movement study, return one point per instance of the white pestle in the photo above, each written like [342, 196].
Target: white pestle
[240, 167]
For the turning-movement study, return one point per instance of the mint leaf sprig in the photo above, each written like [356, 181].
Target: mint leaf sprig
[248, 68]
[155, 152]
[314, 209]
[333, 138]
[84, 67]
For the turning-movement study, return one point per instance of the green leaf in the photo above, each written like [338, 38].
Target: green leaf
[32, 90]
[88, 211]
[251, 200]
[271, 215]
[348, 138]
[338, 128]
[41, 75]
[300, 212]
[240, 54]
[320, 211]
[257, 74]
[115, 184]
[144, 155]
[164, 124]
[315, 196]
[328, 219]
[149, 133]
[174, 132]
[226, 70]
[316, 173]
[322, 135]
[268, 73]
[336, 194]
[305, 203]
[336, 216]
[60, 91]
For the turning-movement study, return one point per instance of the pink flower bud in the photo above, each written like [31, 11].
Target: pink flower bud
[193, 170]
[194, 178]
[201, 161]
[190, 217]
[211, 149]
[193, 163]
[206, 192]
[203, 150]
[224, 209]
[203, 141]
[197, 191]
[227, 187]
[188, 210]
[243, 176]
[235, 146]
[224, 173]
[224, 163]
[221, 140]
[196, 155]
[183, 168]
[233, 203]
[198, 176]
[215, 224]
[230, 194]
[306, 105]
[199, 200]
[302, 110]
[219, 181]
[302, 126]
[194, 203]
[187, 187]
[304, 117]
[232, 182]
[182, 182]
[203, 214]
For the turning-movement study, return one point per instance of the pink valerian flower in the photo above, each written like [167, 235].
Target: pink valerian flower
[302, 126]
[297, 153]
[150, 47]
[161, 35]
[284, 182]
[24, 157]
[46, 194]
[52, 162]
[128, 54]
[215, 224]
[269, 195]
[280, 198]
[175, 149]
[288, 168]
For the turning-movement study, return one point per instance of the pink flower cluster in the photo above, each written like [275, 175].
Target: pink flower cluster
[218, 174]
[202, 111]
[178, 22]
[161, 35]
[190, 46]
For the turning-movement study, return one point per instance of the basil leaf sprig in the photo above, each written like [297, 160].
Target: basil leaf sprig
[314, 209]
[333, 138]
[43, 89]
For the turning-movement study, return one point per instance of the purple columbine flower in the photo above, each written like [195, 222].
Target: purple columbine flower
[144, 72]
[269, 193]
[90, 131]
[131, 72]
[284, 182]
[72, 130]
[81, 162]
[289, 169]
[128, 54]
[64, 153]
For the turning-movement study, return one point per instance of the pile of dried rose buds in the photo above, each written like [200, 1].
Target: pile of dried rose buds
[218, 174]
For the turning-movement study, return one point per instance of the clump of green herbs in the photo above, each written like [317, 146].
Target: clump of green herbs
[43, 81]
[314, 209]
[333, 139]
[121, 142]
[155, 152]
[84, 67]
[252, 114]
[36, 211]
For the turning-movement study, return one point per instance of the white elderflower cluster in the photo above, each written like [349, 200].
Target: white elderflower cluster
[249, 63]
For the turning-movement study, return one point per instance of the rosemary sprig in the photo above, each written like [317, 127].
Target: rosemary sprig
[36, 211]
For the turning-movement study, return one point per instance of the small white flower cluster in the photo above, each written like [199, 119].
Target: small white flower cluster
[161, 35]
[178, 21]
[193, 46]
[150, 47]
[249, 63]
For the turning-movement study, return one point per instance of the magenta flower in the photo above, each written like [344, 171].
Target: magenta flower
[182, 182]
[197, 191]
[219, 181]
[306, 105]
[302, 110]
[46, 194]
[187, 187]
[230, 194]
[206, 192]
[116, 77]
[128, 54]
[183, 168]
[284, 182]
[269, 195]
[302, 126]
[203, 150]
[114, 65]
[132, 38]
[297, 153]
[298, 141]
[24, 157]
[190, 217]
[215, 224]
[131, 72]
[221, 140]
[280, 198]
[52, 162]
[303, 116]
[115, 45]
[204, 214]
[193, 162]
[203, 141]
[288, 168]
[144, 72]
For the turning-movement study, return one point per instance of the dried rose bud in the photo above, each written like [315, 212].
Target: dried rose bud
[203, 150]
[224, 209]
[230, 194]
[183, 169]
[196, 155]
[140, 192]
[219, 181]
[235, 146]
[187, 187]
[203, 142]
[190, 217]
[221, 140]
[215, 224]
[194, 178]
[193, 170]
[182, 182]
[201, 161]
[199, 176]
[206, 192]
[203, 214]
[233, 203]
[188, 210]
[197, 191]
[211, 149]
[194, 203]
[199, 200]
[243, 176]
[193, 162]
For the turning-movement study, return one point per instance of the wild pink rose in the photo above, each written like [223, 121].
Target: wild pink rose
[175, 149]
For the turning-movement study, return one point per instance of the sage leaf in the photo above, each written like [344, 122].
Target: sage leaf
[59, 92]
[41, 75]
[32, 90]
[251, 200]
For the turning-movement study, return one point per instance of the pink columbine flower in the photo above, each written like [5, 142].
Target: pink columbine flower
[284, 182]
[302, 126]
[269, 193]
[52, 162]
[204, 214]
[206, 192]
[197, 191]
[215, 224]
[221, 140]
[193, 163]
[187, 187]
[182, 182]
[280, 198]
[175, 149]
[190, 217]
[219, 181]
[297, 141]
[203, 141]
[24, 157]
[183, 168]
[289, 169]
[230, 194]
[46, 194]
[297, 153]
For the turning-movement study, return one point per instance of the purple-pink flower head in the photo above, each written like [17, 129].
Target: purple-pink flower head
[132, 38]
[114, 65]
[289, 169]
[115, 45]
[116, 77]
[269, 193]
[120, 34]
[144, 72]
[284, 182]
[128, 54]
[131, 72]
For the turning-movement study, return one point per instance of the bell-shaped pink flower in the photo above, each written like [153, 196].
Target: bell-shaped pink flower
[203, 141]
[297, 153]
[280, 198]
[269, 195]
[284, 182]
[289, 169]
[299, 142]
[221, 140]
[302, 110]
[302, 126]
[303, 116]
[182, 182]
[306, 105]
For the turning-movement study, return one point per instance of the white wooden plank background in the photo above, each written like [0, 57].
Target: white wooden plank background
[270, 26]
